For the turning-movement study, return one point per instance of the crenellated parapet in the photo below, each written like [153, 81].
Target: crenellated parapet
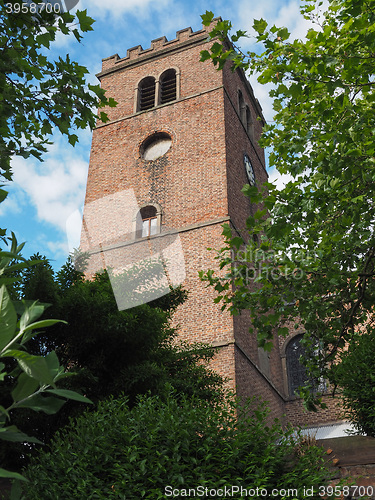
[137, 54]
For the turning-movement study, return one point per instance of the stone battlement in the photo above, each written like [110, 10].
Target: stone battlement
[159, 44]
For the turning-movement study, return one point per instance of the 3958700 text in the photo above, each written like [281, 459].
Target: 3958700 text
[33, 8]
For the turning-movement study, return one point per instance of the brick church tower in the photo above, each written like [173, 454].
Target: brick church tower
[170, 164]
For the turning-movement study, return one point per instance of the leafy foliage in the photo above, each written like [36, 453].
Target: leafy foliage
[39, 95]
[32, 379]
[131, 351]
[357, 383]
[314, 267]
[134, 351]
[157, 446]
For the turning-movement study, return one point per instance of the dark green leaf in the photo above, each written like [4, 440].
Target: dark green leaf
[65, 393]
[8, 318]
[46, 404]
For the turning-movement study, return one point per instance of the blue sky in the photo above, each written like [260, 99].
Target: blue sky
[44, 195]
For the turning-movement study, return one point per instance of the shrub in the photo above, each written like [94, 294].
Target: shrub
[155, 447]
[110, 352]
[356, 382]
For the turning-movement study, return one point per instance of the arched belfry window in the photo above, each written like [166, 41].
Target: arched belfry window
[168, 86]
[296, 371]
[148, 221]
[146, 90]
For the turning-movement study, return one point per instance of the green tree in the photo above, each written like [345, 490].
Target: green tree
[314, 267]
[135, 351]
[27, 381]
[357, 382]
[162, 448]
[131, 351]
[38, 94]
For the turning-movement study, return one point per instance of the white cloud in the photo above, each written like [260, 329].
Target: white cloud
[59, 249]
[261, 92]
[63, 41]
[14, 203]
[55, 187]
[290, 16]
[275, 12]
[280, 180]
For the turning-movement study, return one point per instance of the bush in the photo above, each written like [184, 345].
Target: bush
[147, 451]
[356, 382]
[110, 352]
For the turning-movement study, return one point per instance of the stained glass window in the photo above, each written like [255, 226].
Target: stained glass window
[296, 371]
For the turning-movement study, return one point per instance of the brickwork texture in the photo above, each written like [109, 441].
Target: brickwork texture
[197, 185]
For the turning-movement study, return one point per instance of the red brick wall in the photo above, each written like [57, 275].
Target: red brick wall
[197, 184]
[297, 415]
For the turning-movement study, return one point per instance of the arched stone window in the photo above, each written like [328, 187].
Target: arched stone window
[168, 86]
[296, 371]
[148, 221]
[146, 93]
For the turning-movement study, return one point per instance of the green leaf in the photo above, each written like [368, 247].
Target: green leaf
[205, 55]
[8, 318]
[45, 40]
[207, 18]
[260, 26]
[85, 21]
[53, 364]
[25, 387]
[11, 475]
[73, 139]
[252, 192]
[227, 231]
[34, 366]
[43, 324]
[283, 34]
[216, 49]
[3, 195]
[16, 436]
[48, 405]
[3, 411]
[237, 241]
[16, 491]
[239, 34]
[31, 313]
[65, 393]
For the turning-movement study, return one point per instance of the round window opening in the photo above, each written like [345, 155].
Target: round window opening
[155, 146]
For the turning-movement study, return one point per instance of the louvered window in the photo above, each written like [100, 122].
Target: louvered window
[168, 87]
[147, 93]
